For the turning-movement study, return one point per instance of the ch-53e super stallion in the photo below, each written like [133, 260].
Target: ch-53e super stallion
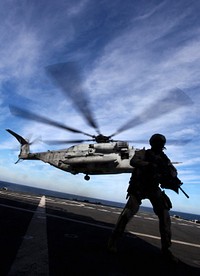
[101, 154]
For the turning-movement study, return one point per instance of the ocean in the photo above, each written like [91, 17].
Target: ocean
[38, 191]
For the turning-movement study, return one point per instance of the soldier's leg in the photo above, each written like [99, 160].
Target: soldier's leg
[161, 205]
[130, 209]
[165, 228]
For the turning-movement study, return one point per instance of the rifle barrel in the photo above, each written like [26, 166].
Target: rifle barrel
[184, 192]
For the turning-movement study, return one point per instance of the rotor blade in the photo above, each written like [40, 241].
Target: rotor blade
[57, 142]
[175, 142]
[25, 114]
[67, 77]
[174, 100]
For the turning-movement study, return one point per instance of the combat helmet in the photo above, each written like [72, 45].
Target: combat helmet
[157, 141]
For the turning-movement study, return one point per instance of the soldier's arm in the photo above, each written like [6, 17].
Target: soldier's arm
[138, 160]
[171, 168]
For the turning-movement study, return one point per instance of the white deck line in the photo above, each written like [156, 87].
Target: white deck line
[32, 256]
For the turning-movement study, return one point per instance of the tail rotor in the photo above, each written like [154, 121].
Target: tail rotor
[25, 145]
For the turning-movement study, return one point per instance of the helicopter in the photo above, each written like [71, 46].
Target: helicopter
[103, 154]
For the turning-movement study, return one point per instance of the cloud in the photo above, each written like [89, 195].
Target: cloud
[130, 56]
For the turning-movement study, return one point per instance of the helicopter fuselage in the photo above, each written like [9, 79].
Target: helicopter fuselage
[89, 159]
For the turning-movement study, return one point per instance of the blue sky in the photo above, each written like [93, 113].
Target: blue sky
[130, 54]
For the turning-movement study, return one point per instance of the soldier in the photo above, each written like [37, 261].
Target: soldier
[152, 167]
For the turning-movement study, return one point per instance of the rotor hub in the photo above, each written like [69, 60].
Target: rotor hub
[102, 138]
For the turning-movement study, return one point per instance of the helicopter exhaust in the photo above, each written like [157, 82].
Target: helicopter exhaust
[25, 146]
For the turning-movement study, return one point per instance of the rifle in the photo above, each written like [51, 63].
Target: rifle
[173, 183]
[184, 192]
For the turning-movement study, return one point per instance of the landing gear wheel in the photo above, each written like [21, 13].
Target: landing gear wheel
[86, 177]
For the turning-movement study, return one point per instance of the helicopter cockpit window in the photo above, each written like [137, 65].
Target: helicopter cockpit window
[121, 144]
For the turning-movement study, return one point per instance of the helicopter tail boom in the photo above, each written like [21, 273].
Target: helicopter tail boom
[25, 148]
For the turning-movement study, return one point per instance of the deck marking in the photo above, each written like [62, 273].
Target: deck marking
[32, 256]
[106, 227]
[131, 232]
[158, 238]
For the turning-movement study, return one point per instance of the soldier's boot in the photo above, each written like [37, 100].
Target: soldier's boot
[168, 256]
[112, 243]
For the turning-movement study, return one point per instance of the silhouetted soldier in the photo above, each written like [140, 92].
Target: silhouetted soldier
[152, 167]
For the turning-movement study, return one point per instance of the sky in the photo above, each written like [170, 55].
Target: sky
[130, 54]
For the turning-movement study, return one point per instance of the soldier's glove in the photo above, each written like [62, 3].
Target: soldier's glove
[172, 183]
